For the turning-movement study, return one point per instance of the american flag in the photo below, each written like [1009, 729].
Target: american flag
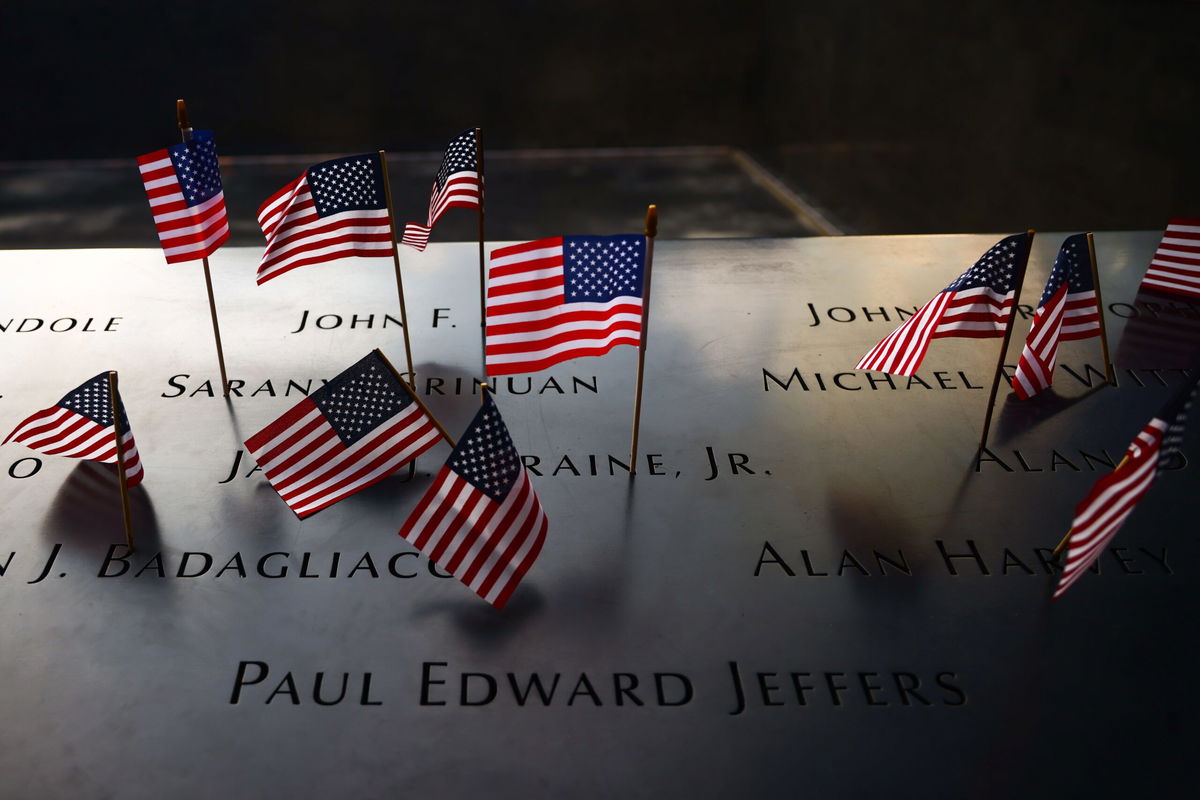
[351, 433]
[1101, 514]
[1176, 264]
[81, 426]
[1067, 311]
[455, 186]
[183, 184]
[560, 298]
[336, 209]
[976, 305]
[481, 520]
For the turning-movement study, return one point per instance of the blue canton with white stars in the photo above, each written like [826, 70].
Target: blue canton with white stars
[361, 399]
[195, 164]
[91, 400]
[460, 157]
[996, 269]
[598, 268]
[353, 183]
[1073, 266]
[485, 456]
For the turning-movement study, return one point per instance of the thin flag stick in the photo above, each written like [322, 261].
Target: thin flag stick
[416, 398]
[651, 232]
[482, 263]
[387, 193]
[1063, 543]
[484, 388]
[1012, 319]
[116, 412]
[1108, 367]
[185, 133]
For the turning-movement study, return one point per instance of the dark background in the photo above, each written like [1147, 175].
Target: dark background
[906, 117]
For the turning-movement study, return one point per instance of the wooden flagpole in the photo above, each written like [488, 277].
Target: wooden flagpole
[1063, 543]
[185, 133]
[387, 193]
[416, 398]
[651, 232]
[482, 261]
[1012, 319]
[116, 412]
[1108, 367]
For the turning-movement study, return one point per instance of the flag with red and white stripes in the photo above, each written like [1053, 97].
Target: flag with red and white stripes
[976, 305]
[568, 296]
[183, 184]
[456, 185]
[336, 209]
[481, 520]
[1112, 499]
[81, 425]
[1175, 267]
[351, 433]
[1066, 311]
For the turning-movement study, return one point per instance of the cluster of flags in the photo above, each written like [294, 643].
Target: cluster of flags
[544, 302]
[979, 304]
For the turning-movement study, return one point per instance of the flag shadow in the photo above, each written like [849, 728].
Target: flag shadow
[487, 627]
[86, 511]
[1020, 416]
[856, 517]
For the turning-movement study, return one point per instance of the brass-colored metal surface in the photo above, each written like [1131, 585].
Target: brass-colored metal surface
[881, 598]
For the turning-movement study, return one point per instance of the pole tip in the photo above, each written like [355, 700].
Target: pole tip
[181, 114]
[651, 220]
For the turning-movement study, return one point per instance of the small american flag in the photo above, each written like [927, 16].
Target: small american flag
[81, 426]
[455, 186]
[1175, 267]
[555, 299]
[1102, 513]
[351, 433]
[1067, 311]
[976, 305]
[183, 184]
[481, 520]
[336, 209]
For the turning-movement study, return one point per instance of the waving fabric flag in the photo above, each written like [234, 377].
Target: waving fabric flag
[560, 298]
[1102, 513]
[1067, 310]
[976, 305]
[481, 520]
[183, 184]
[336, 209]
[351, 433]
[456, 185]
[81, 425]
[1175, 267]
